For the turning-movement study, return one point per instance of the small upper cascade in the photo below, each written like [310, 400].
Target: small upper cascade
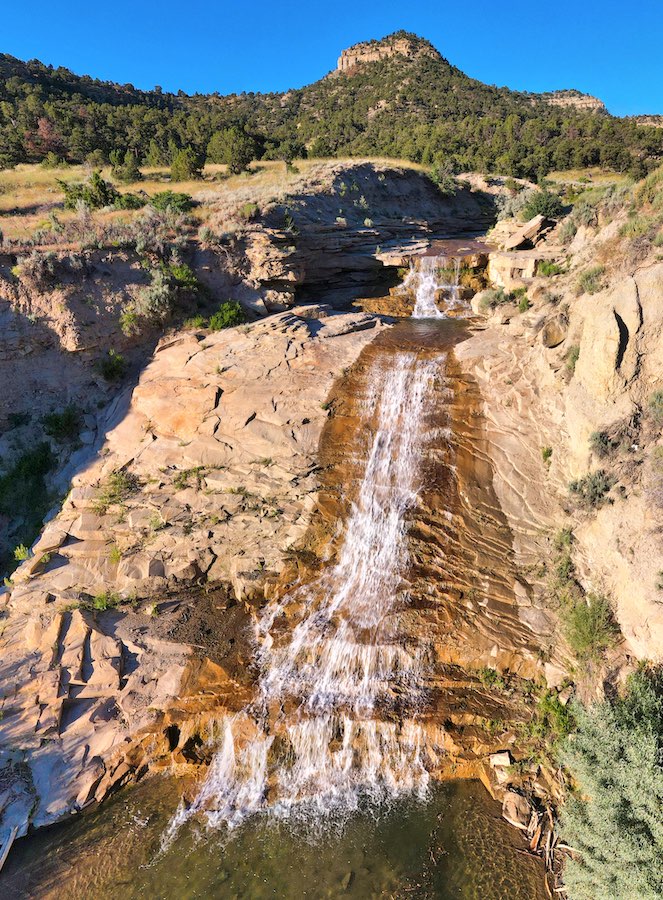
[427, 276]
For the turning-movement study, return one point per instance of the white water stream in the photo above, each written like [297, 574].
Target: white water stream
[425, 275]
[339, 686]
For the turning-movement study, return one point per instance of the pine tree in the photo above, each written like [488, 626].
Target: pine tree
[185, 165]
[234, 147]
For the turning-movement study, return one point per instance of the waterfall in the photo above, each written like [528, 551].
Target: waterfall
[336, 717]
[425, 272]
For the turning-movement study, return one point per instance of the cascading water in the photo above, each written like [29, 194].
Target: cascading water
[426, 273]
[339, 690]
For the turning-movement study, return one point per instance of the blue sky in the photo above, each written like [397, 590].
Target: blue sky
[611, 49]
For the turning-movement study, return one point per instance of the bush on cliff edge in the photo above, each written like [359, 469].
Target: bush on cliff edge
[614, 818]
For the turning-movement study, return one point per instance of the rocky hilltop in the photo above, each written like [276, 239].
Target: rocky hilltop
[397, 44]
[576, 100]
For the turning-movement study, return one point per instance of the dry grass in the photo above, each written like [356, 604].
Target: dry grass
[29, 194]
[594, 174]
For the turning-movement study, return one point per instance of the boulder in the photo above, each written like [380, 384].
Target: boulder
[554, 331]
[516, 810]
[529, 234]
[500, 760]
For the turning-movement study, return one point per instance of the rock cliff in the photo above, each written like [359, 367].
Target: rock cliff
[568, 387]
[399, 44]
[575, 100]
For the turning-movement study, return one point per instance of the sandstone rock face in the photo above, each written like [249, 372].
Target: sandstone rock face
[217, 444]
[373, 51]
[534, 398]
[576, 100]
[509, 269]
[516, 810]
[384, 209]
[61, 306]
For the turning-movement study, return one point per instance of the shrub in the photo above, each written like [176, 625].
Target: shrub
[63, 426]
[650, 190]
[493, 297]
[114, 555]
[23, 495]
[600, 444]
[567, 231]
[288, 150]
[195, 322]
[249, 211]
[546, 454]
[613, 818]
[154, 302]
[228, 315]
[491, 678]
[18, 419]
[591, 281]
[21, 553]
[96, 159]
[655, 407]
[548, 268]
[129, 201]
[117, 488]
[112, 366]
[103, 601]
[174, 200]
[184, 277]
[591, 490]
[129, 322]
[442, 175]
[42, 268]
[552, 721]
[513, 186]
[95, 193]
[572, 357]
[186, 165]
[53, 161]
[156, 233]
[589, 627]
[636, 226]
[542, 203]
[289, 223]
[523, 304]
[562, 583]
[234, 147]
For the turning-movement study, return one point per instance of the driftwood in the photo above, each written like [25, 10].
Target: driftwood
[534, 843]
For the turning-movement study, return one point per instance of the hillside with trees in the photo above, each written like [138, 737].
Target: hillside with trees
[418, 107]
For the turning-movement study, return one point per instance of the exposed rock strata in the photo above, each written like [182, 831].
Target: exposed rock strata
[533, 399]
[374, 51]
[575, 100]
